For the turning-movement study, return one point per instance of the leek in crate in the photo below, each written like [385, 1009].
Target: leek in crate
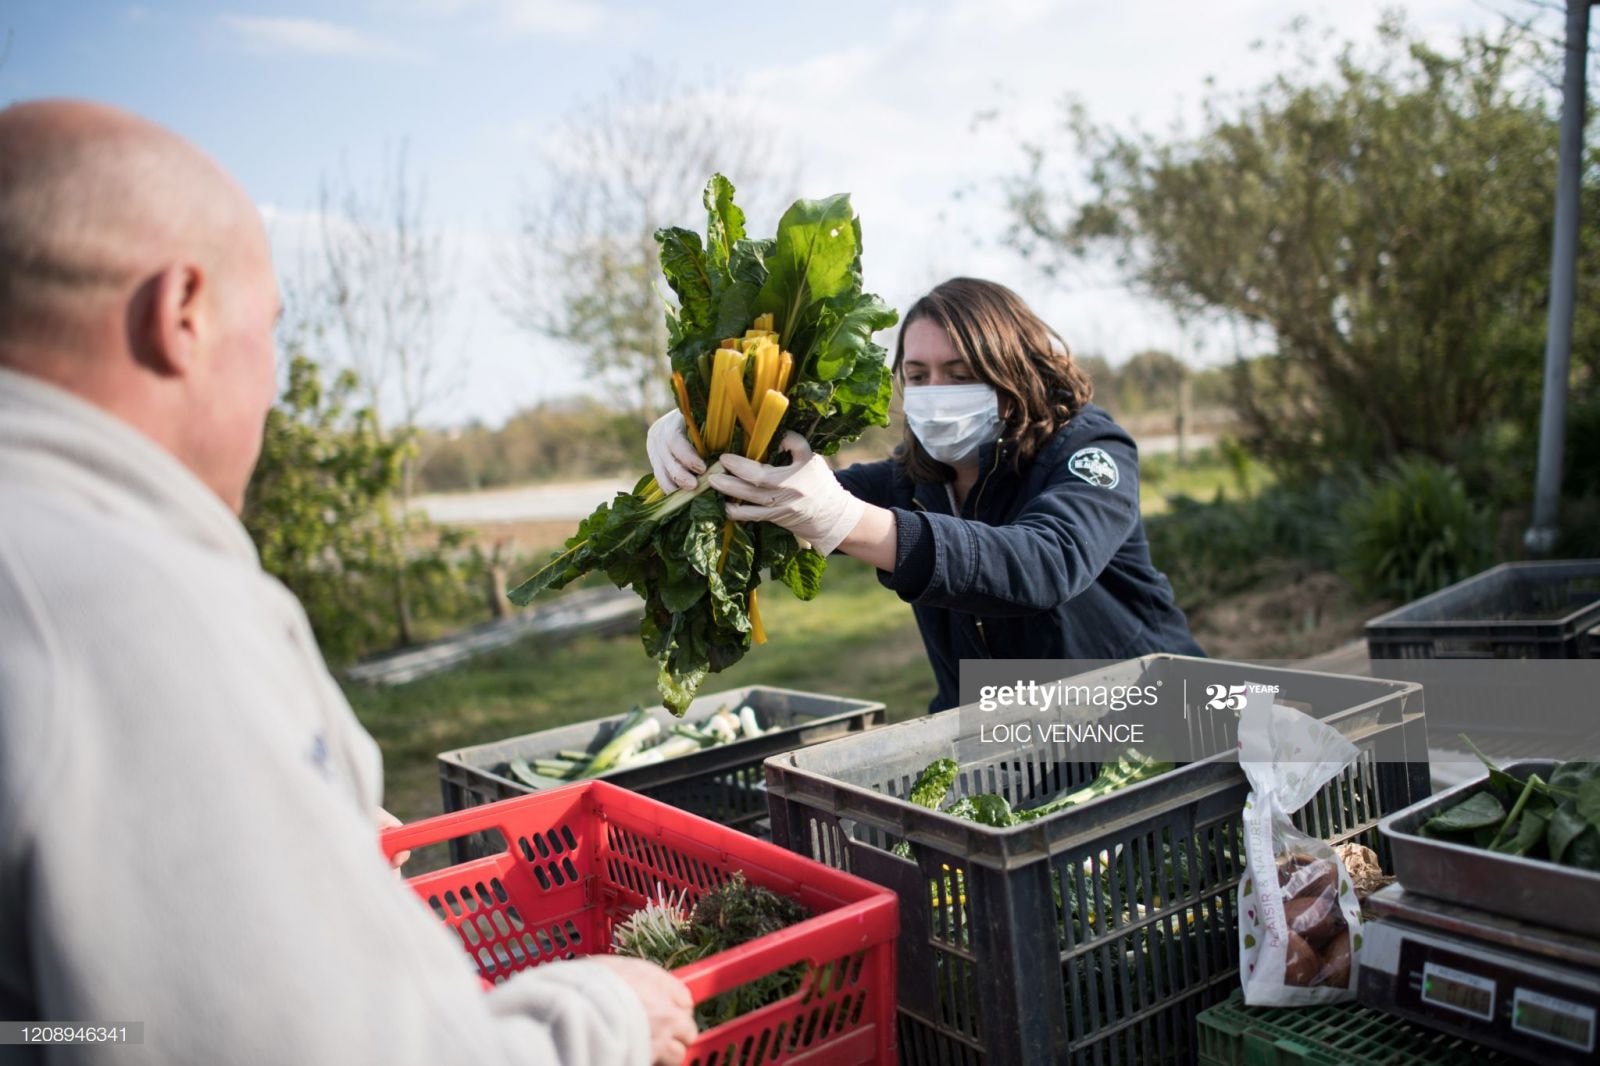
[767, 336]
[638, 740]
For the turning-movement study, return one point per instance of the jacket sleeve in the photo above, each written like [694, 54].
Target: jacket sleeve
[871, 482]
[1054, 548]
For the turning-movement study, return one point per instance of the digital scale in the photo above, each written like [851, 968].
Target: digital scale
[1520, 988]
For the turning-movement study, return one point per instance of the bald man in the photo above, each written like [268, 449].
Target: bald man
[186, 799]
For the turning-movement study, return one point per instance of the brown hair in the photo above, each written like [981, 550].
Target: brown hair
[1008, 347]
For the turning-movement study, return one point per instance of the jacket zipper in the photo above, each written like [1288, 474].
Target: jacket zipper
[976, 503]
[983, 635]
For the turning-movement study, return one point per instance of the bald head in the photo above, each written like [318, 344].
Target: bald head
[91, 199]
[135, 273]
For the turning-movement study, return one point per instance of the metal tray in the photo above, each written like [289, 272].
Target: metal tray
[1558, 897]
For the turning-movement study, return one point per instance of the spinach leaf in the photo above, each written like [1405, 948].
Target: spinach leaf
[1565, 827]
[1530, 833]
[1589, 801]
[1584, 851]
[1478, 811]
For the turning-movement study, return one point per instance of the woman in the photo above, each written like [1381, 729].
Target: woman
[1008, 518]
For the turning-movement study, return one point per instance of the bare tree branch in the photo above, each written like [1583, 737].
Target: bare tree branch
[584, 269]
[386, 285]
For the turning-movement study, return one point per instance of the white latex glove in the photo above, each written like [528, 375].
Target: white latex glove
[805, 498]
[673, 459]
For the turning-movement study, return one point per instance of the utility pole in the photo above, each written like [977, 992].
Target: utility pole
[1540, 538]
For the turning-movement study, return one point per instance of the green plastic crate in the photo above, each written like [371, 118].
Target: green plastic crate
[1232, 1034]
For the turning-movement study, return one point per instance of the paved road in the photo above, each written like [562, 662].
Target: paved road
[531, 503]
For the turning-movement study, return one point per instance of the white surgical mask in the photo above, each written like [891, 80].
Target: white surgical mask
[952, 422]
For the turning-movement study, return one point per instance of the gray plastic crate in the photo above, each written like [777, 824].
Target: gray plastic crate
[1547, 610]
[1098, 934]
[722, 783]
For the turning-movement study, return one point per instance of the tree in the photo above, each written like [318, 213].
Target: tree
[1150, 381]
[317, 506]
[1389, 228]
[320, 510]
[385, 293]
[385, 284]
[584, 269]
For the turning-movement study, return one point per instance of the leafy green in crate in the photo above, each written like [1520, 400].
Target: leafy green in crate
[725, 917]
[1556, 820]
[767, 336]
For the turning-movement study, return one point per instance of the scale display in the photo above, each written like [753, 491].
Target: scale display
[1457, 990]
[1550, 1018]
[1532, 1007]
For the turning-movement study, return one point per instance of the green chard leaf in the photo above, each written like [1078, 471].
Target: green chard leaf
[683, 261]
[845, 326]
[803, 573]
[817, 257]
[724, 226]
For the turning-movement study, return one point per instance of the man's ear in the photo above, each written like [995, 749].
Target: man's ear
[166, 321]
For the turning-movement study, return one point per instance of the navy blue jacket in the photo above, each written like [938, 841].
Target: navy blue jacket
[1049, 564]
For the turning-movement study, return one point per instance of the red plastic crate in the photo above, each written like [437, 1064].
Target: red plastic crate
[580, 859]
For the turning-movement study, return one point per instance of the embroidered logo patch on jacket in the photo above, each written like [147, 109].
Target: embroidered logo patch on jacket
[1095, 467]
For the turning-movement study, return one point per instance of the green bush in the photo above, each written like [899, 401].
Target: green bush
[1581, 466]
[1414, 530]
[321, 510]
[1211, 549]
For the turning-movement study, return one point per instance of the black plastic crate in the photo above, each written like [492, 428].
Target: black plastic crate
[1513, 611]
[722, 783]
[1095, 935]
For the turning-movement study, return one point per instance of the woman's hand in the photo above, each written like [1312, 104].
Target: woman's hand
[673, 459]
[804, 498]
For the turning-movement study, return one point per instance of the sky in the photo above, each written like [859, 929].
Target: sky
[920, 110]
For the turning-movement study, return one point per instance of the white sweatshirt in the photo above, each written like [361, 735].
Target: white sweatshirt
[187, 801]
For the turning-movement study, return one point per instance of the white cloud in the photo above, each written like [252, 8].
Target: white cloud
[304, 36]
[538, 18]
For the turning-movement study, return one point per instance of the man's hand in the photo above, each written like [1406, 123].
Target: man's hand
[667, 1004]
[673, 459]
[805, 498]
[386, 820]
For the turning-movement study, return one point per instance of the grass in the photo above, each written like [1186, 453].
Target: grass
[1201, 477]
[856, 639]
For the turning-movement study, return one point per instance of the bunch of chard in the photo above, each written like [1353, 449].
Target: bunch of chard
[767, 336]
